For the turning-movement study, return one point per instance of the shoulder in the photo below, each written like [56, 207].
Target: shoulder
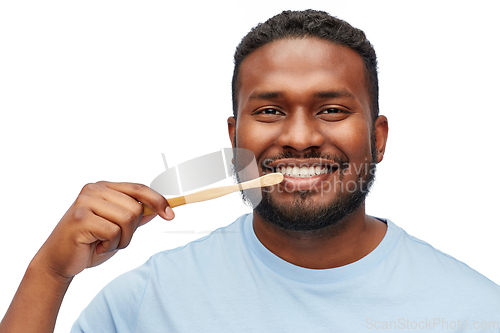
[443, 270]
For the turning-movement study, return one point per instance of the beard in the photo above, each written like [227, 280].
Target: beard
[305, 215]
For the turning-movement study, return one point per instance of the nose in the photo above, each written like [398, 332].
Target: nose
[301, 132]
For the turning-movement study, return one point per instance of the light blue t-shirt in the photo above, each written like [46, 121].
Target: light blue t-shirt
[229, 282]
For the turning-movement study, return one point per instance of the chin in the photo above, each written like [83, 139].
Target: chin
[304, 213]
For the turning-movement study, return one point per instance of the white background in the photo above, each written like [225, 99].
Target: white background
[97, 90]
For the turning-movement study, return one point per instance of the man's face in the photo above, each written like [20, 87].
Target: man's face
[304, 110]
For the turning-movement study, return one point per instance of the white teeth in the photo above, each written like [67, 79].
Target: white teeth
[295, 171]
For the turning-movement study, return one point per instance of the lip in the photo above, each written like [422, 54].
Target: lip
[310, 183]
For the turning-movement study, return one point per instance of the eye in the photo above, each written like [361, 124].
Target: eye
[268, 114]
[332, 110]
[270, 111]
[333, 114]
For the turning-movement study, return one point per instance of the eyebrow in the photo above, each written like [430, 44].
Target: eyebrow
[334, 94]
[266, 95]
[322, 94]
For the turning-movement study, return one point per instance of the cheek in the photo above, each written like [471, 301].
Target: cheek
[353, 139]
[254, 137]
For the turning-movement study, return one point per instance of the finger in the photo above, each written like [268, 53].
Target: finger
[147, 210]
[150, 212]
[113, 206]
[118, 198]
[145, 195]
[126, 219]
[101, 189]
[146, 219]
[96, 230]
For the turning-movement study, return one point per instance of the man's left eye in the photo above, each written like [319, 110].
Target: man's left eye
[333, 114]
[332, 110]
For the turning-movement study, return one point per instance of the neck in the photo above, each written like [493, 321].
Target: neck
[337, 245]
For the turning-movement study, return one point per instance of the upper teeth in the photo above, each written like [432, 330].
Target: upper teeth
[295, 171]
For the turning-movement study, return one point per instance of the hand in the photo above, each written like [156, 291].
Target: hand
[101, 221]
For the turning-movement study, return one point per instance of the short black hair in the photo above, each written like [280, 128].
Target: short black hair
[309, 23]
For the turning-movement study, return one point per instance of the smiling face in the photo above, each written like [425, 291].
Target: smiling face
[304, 110]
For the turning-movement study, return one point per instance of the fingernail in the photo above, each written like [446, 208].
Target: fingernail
[170, 213]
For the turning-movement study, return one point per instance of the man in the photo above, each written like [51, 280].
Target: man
[305, 98]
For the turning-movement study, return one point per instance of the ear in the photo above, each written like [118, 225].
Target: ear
[231, 128]
[381, 131]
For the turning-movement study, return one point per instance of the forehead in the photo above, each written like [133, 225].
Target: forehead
[302, 66]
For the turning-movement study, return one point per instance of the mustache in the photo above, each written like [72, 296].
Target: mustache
[328, 158]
